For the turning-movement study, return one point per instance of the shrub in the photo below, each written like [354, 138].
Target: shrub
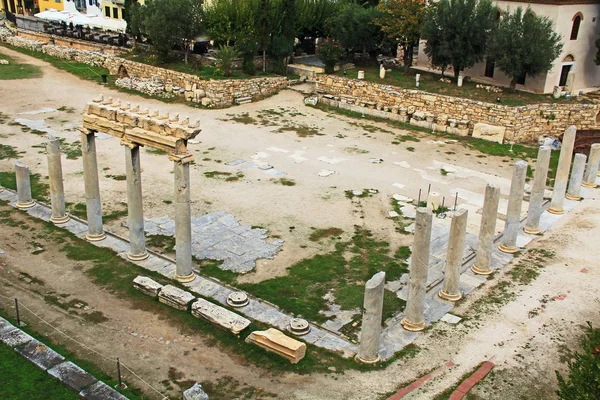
[329, 51]
[225, 59]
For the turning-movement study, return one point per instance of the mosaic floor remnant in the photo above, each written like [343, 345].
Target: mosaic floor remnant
[219, 236]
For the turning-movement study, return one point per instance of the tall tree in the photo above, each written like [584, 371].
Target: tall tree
[401, 20]
[133, 14]
[354, 29]
[524, 45]
[461, 28]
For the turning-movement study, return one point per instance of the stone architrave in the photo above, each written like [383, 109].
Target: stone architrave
[24, 199]
[219, 316]
[55, 176]
[562, 171]
[456, 247]
[419, 264]
[175, 297]
[574, 190]
[486, 231]
[489, 132]
[532, 225]
[275, 341]
[147, 286]
[135, 211]
[370, 334]
[183, 223]
[589, 178]
[92, 186]
[513, 212]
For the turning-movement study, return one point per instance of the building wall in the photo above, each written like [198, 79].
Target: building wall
[583, 50]
[48, 4]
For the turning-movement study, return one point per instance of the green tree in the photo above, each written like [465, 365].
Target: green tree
[354, 29]
[583, 382]
[247, 46]
[459, 31]
[133, 14]
[221, 19]
[524, 45]
[401, 20]
[329, 51]
[598, 51]
[225, 59]
[170, 23]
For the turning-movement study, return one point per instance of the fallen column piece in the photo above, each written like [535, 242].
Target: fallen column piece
[147, 286]
[219, 316]
[175, 297]
[274, 341]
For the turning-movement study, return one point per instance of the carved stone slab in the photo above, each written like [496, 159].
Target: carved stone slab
[147, 286]
[175, 297]
[275, 341]
[101, 391]
[72, 376]
[219, 316]
[489, 132]
[40, 354]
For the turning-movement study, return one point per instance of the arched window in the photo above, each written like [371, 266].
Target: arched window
[576, 23]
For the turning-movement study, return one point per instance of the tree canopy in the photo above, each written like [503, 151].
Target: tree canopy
[524, 45]
[353, 27]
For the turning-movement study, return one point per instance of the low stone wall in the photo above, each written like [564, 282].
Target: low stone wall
[70, 42]
[208, 92]
[496, 122]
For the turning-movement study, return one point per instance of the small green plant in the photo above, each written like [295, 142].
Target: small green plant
[411, 149]
[225, 59]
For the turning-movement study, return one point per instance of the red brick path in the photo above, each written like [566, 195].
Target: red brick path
[416, 384]
[472, 380]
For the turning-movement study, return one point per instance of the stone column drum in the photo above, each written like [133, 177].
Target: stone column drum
[57, 191]
[183, 223]
[370, 333]
[589, 178]
[92, 187]
[513, 211]
[562, 171]
[419, 264]
[574, 190]
[456, 247]
[135, 210]
[486, 231]
[532, 225]
[24, 199]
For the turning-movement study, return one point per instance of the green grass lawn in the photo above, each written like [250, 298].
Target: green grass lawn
[20, 379]
[430, 82]
[15, 70]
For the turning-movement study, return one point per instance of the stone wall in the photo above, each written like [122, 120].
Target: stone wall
[457, 115]
[70, 42]
[208, 92]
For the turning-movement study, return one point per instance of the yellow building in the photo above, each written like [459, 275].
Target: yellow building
[114, 8]
[48, 4]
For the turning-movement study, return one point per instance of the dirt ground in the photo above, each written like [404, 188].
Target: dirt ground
[521, 337]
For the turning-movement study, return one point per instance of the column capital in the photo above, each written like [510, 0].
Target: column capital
[87, 131]
[182, 158]
[128, 143]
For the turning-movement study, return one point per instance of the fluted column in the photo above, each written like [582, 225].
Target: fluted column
[24, 199]
[183, 223]
[135, 209]
[532, 225]
[562, 171]
[55, 176]
[370, 334]
[456, 247]
[486, 231]
[92, 186]
[513, 210]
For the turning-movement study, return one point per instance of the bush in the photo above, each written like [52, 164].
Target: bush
[329, 51]
[583, 382]
[225, 59]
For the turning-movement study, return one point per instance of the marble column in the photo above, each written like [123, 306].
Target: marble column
[417, 280]
[532, 225]
[183, 223]
[513, 211]
[92, 187]
[24, 199]
[135, 210]
[55, 176]
[589, 179]
[562, 171]
[456, 248]
[487, 229]
[370, 333]
[574, 190]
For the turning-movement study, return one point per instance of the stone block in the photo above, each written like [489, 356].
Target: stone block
[14, 337]
[40, 354]
[196, 392]
[206, 101]
[219, 316]
[101, 391]
[275, 341]
[489, 132]
[72, 376]
[147, 286]
[175, 297]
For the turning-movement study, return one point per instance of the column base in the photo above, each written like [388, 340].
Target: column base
[27, 204]
[60, 220]
[413, 327]
[184, 279]
[508, 249]
[450, 297]
[556, 211]
[360, 360]
[531, 231]
[138, 257]
[571, 197]
[95, 238]
[584, 184]
[480, 271]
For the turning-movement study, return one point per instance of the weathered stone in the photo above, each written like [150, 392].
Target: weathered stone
[195, 393]
[24, 199]
[574, 189]
[92, 188]
[370, 334]
[275, 341]
[456, 245]
[489, 132]
[175, 297]
[537, 191]
[101, 391]
[591, 171]
[147, 286]
[72, 376]
[13, 336]
[135, 212]
[40, 354]
[562, 171]
[55, 176]
[183, 224]
[486, 231]
[513, 212]
[219, 316]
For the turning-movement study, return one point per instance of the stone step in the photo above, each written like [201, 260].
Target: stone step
[243, 100]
